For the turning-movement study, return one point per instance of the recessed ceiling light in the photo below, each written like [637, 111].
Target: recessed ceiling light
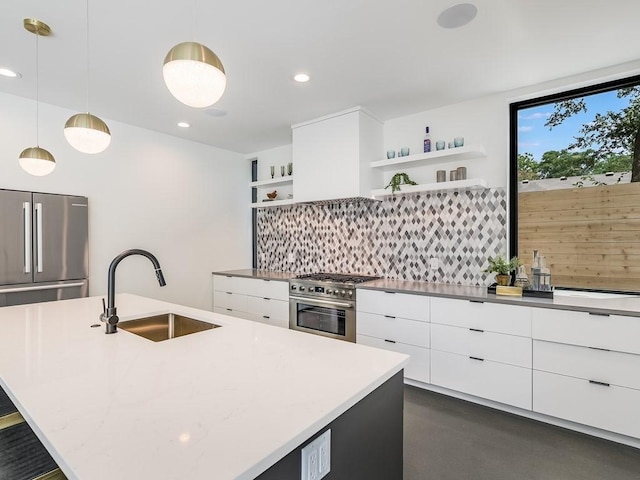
[184, 124]
[301, 77]
[457, 15]
[5, 72]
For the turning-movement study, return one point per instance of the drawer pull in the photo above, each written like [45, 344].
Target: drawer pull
[600, 349]
[599, 314]
[595, 382]
[229, 276]
[266, 280]
[476, 301]
[389, 341]
[265, 298]
[476, 330]
[266, 316]
[229, 293]
[390, 292]
[477, 358]
[229, 310]
[389, 316]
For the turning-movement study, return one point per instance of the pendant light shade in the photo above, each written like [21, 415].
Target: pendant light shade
[37, 161]
[87, 133]
[194, 74]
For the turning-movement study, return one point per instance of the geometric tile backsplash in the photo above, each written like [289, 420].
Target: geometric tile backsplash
[394, 238]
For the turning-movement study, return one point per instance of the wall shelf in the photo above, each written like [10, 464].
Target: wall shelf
[420, 159]
[273, 203]
[470, 183]
[272, 182]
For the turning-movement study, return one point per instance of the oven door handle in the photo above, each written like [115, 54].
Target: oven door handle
[322, 302]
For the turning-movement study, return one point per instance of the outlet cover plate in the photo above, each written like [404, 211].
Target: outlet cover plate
[316, 458]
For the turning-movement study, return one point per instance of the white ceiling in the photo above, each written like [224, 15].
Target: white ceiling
[389, 56]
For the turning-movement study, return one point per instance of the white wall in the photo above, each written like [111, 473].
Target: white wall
[183, 201]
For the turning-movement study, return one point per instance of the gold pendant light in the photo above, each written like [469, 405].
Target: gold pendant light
[85, 132]
[194, 74]
[35, 160]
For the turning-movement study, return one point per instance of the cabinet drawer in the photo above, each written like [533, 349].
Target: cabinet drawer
[418, 366]
[414, 307]
[611, 408]
[491, 317]
[412, 332]
[495, 381]
[273, 312]
[230, 300]
[263, 288]
[223, 283]
[615, 368]
[496, 347]
[613, 332]
[232, 313]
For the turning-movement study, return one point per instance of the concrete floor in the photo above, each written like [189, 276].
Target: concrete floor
[450, 439]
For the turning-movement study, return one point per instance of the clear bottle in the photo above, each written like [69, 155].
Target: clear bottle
[535, 271]
[545, 275]
[427, 141]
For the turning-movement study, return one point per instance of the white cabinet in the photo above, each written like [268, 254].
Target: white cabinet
[397, 322]
[333, 156]
[255, 299]
[482, 349]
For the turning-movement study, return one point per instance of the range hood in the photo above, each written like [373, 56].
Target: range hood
[333, 156]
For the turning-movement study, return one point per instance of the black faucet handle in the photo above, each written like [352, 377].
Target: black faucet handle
[104, 306]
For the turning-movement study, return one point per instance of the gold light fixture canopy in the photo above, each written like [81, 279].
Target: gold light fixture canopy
[87, 133]
[194, 74]
[37, 161]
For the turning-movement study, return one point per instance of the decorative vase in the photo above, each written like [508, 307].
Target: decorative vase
[503, 280]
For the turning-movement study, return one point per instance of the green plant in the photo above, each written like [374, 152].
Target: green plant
[501, 265]
[399, 179]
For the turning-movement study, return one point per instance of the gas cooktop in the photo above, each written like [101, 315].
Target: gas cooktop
[335, 277]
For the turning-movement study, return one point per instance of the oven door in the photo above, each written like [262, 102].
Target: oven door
[329, 318]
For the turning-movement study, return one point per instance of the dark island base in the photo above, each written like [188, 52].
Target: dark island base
[366, 440]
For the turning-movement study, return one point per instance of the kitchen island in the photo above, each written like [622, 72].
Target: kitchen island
[229, 403]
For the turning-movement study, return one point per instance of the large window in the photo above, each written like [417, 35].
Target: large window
[575, 185]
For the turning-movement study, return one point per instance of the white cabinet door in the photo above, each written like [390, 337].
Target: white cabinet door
[612, 332]
[402, 330]
[615, 368]
[414, 307]
[223, 283]
[608, 407]
[496, 347]
[491, 317]
[266, 310]
[418, 366]
[492, 380]
[229, 300]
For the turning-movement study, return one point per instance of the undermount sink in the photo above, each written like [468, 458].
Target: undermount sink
[165, 326]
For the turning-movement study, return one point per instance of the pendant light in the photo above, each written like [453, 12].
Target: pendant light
[85, 132]
[35, 160]
[194, 74]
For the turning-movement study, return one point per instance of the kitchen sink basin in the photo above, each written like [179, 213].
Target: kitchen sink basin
[165, 326]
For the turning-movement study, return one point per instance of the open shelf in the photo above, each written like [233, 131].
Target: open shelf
[467, 184]
[273, 182]
[459, 153]
[273, 203]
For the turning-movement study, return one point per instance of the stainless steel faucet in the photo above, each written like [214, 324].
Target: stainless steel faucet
[109, 315]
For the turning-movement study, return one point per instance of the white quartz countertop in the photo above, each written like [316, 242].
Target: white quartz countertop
[225, 403]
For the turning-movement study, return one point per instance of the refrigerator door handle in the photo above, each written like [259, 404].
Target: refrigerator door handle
[40, 287]
[39, 259]
[26, 210]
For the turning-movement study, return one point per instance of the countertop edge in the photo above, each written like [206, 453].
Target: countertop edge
[274, 275]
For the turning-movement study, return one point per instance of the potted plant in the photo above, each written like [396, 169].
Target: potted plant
[502, 268]
[399, 179]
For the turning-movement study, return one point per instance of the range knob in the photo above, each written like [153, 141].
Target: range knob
[342, 292]
[293, 287]
[301, 288]
[350, 293]
[329, 292]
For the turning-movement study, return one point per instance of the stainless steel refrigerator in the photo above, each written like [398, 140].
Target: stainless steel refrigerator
[44, 247]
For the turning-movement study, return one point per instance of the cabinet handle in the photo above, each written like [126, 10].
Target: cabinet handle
[595, 382]
[477, 358]
[390, 341]
[266, 316]
[266, 280]
[600, 349]
[476, 301]
[476, 330]
[389, 316]
[265, 298]
[229, 293]
[393, 293]
[229, 310]
[229, 276]
[599, 314]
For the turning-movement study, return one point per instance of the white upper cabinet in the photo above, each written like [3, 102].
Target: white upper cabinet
[333, 156]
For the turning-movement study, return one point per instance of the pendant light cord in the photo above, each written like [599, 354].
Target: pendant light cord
[88, 83]
[37, 90]
[195, 20]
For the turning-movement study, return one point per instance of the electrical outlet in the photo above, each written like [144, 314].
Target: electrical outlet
[316, 458]
[434, 264]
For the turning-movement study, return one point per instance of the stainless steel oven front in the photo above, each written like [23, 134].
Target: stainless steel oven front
[330, 318]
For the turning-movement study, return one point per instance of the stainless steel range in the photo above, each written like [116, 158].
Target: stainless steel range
[325, 304]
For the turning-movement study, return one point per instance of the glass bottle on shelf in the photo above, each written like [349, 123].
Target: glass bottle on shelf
[545, 275]
[427, 141]
[535, 271]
